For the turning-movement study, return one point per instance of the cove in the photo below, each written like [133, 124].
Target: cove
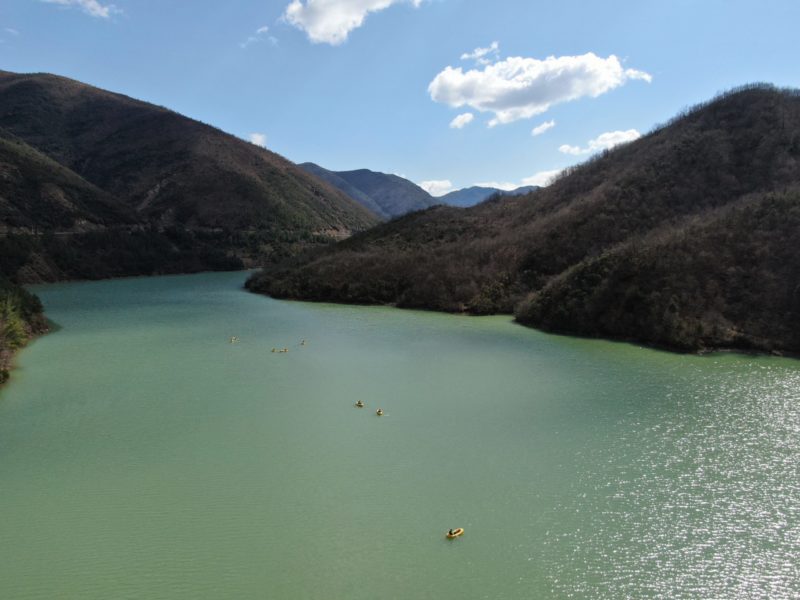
[142, 455]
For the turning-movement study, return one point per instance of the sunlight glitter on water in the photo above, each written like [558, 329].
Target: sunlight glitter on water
[144, 456]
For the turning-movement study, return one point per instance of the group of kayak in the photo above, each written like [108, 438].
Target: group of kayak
[234, 339]
[451, 533]
[360, 404]
[284, 350]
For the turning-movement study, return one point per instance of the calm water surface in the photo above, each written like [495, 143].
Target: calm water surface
[144, 456]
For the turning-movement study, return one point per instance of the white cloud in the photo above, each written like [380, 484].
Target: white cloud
[500, 185]
[259, 139]
[479, 54]
[331, 21]
[520, 88]
[540, 129]
[604, 141]
[437, 187]
[259, 35]
[462, 120]
[541, 179]
[11, 30]
[90, 7]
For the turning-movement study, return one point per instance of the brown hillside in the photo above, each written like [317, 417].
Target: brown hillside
[171, 169]
[492, 257]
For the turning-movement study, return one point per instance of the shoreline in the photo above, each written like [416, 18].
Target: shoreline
[22, 318]
[30, 284]
[42, 325]
[701, 351]
[8, 357]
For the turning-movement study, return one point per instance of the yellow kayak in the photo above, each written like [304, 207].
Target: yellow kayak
[454, 533]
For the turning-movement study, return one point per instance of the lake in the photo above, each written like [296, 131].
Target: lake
[143, 455]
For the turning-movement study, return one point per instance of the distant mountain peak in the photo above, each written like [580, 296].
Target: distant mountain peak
[390, 195]
[386, 194]
[476, 194]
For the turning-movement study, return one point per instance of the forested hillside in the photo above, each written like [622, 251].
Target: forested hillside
[77, 159]
[20, 319]
[708, 199]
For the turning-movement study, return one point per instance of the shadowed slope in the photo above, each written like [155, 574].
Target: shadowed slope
[169, 168]
[37, 193]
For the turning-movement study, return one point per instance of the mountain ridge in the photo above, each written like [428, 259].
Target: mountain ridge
[470, 196]
[154, 170]
[154, 159]
[386, 194]
[392, 196]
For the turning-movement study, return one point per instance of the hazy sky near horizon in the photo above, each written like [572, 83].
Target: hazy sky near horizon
[448, 93]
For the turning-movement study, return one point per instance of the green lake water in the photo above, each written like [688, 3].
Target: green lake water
[144, 456]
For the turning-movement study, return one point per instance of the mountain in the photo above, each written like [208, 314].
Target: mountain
[342, 185]
[387, 195]
[476, 194]
[37, 193]
[108, 160]
[392, 196]
[684, 238]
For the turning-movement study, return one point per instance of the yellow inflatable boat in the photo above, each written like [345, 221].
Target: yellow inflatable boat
[454, 533]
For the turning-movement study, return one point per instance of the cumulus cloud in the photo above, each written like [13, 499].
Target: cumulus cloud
[479, 55]
[604, 141]
[520, 88]
[259, 139]
[90, 7]
[540, 129]
[541, 179]
[331, 21]
[437, 187]
[461, 120]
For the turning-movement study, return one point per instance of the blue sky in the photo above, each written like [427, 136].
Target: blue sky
[378, 83]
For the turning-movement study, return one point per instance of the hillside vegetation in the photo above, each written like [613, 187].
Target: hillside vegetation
[37, 193]
[20, 319]
[680, 239]
[77, 159]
